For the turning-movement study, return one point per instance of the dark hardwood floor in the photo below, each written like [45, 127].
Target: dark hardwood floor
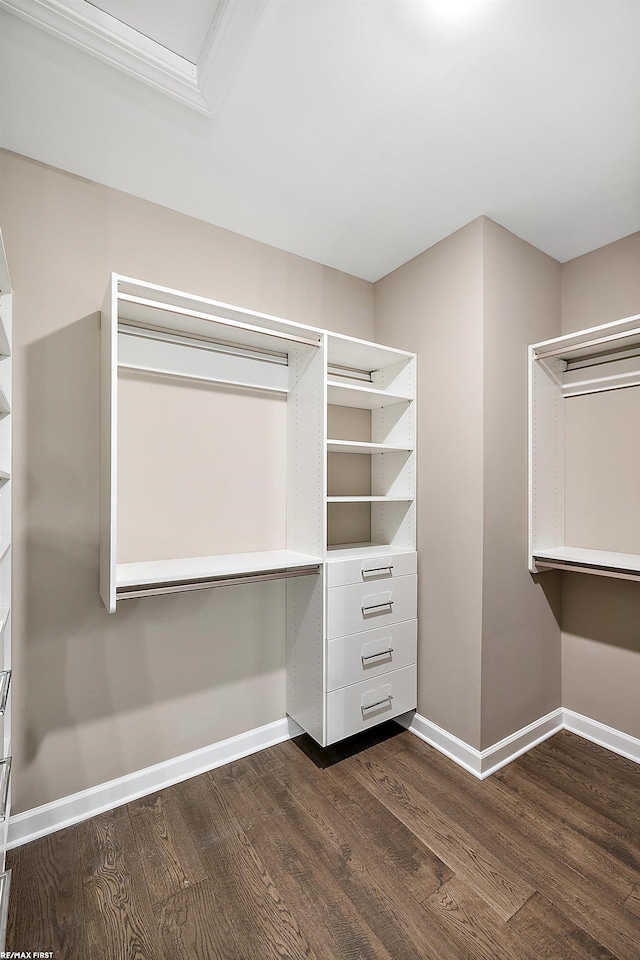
[378, 849]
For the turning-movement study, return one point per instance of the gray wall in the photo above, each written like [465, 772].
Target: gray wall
[600, 616]
[97, 696]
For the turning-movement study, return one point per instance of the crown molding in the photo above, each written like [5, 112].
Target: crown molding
[228, 36]
[119, 45]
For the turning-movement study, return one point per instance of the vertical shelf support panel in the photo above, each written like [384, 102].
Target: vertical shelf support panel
[109, 446]
[546, 456]
[6, 392]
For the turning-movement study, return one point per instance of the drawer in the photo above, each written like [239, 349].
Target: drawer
[364, 606]
[371, 569]
[362, 705]
[363, 656]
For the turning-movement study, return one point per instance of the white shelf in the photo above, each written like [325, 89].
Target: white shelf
[364, 398]
[354, 551]
[5, 406]
[5, 546]
[4, 618]
[163, 309]
[349, 446]
[362, 354]
[369, 499]
[602, 562]
[4, 476]
[195, 569]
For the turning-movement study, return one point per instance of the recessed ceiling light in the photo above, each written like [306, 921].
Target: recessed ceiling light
[455, 9]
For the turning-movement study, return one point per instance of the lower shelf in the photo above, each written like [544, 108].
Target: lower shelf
[195, 573]
[604, 563]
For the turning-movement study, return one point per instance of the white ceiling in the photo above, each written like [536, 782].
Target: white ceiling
[356, 133]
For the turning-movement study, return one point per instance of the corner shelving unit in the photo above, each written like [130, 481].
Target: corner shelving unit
[5, 580]
[595, 360]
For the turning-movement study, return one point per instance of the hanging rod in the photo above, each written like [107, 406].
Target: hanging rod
[350, 373]
[194, 378]
[598, 341]
[597, 360]
[197, 315]
[131, 593]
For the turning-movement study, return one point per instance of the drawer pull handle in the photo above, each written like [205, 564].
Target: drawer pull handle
[377, 606]
[366, 570]
[378, 703]
[372, 656]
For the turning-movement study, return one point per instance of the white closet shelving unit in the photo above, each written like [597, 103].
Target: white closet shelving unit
[350, 469]
[161, 331]
[379, 383]
[595, 360]
[5, 581]
[363, 669]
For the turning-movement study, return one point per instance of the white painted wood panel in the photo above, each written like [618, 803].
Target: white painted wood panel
[372, 653]
[357, 607]
[371, 566]
[363, 705]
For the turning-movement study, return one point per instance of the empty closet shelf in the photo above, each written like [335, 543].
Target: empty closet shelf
[366, 398]
[193, 573]
[353, 446]
[389, 499]
[603, 562]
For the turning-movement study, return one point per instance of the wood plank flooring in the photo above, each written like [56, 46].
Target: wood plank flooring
[377, 849]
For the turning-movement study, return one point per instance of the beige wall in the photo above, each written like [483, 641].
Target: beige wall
[97, 696]
[433, 305]
[521, 678]
[600, 617]
[489, 635]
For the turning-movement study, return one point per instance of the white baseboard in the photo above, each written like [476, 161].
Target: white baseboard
[445, 742]
[482, 763]
[50, 817]
[614, 740]
[513, 746]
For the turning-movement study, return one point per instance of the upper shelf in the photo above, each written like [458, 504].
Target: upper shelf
[360, 354]
[594, 341]
[162, 308]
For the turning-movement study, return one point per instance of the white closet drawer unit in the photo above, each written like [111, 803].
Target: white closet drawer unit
[371, 570]
[363, 656]
[364, 606]
[362, 705]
